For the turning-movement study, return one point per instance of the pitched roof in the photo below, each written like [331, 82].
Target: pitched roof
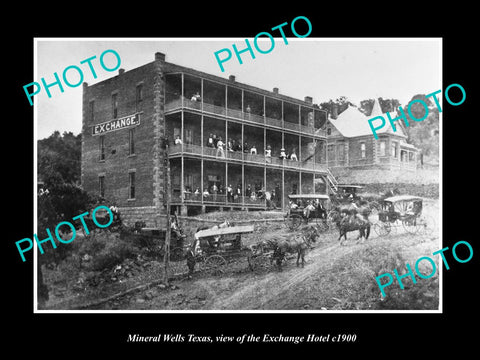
[352, 122]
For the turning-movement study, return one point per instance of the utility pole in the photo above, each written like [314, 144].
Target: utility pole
[166, 166]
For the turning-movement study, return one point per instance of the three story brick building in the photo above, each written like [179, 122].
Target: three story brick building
[226, 142]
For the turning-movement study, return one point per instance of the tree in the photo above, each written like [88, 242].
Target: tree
[423, 134]
[61, 199]
[59, 158]
[335, 108]
[386, 105]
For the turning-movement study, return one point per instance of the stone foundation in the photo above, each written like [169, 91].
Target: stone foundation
[148, 214]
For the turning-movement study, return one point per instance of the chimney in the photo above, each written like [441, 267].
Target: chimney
[231, 78]
[309, 100]
[159, 56]
[334, 111]
[121, 71]
[275, 90]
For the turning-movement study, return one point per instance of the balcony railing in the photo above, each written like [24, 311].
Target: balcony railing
[218, 199]
[246, 157]
[291, 126]
[274, 122]
[177, 104]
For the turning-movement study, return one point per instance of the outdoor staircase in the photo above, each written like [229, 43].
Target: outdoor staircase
[332, 181]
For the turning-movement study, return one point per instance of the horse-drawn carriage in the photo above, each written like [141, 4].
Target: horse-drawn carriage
[405, 211]
[213, 248]
[152, 239]
[307, 208]
[347, 193]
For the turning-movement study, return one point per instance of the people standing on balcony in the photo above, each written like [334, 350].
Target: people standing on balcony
[205, 193]
[293, 155]
[273, 198]
[253, 150]
[248, 110]
[283, 155]
[268, 199]
[258, 188]
[229, 193]
[215, 140]
[238, 193]
[268, 154]
[230, 145]
[245, 148]
[210, 141]
[220, 145]
[196, 97]
[214, 191]
[248, 191]
[238, 146]
[268, 151]
[178, 141]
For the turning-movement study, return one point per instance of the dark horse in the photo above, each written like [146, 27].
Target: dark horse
[352, 220]
[299, 244]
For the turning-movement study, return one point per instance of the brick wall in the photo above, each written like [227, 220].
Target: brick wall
[118, 163]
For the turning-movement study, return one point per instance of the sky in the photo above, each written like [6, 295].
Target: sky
[321, 68]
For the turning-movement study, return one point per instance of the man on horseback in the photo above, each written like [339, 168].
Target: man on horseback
[351, 219]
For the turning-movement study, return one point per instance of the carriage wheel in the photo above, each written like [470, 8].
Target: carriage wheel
[411, 225]
[382, 228]
[214, 264]
[426, 225]
[177, 254]
[293, 221]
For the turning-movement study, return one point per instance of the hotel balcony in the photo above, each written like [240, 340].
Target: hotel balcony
[230, 100]
[247, 158]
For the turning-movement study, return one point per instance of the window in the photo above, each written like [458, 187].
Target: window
[131, 142]
[411, 156]
[341, 152]
[114, 105]
[138, 95]
[91, 111]
[101, 186]
[329, 131]
[102, 147]
[382, 148]
[363, 150]
[394, 150]
[131, 194]
[331, 152]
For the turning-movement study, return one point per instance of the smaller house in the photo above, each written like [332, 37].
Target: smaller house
[351, 144]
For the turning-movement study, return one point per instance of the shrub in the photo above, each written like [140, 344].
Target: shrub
[107, 250]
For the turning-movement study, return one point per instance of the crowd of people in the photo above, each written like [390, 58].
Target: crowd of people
[234, 145]
[234, 194]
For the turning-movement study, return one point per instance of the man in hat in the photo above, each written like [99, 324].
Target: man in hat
[190, 255]
[283, 155]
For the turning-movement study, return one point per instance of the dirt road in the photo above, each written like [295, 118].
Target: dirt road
[334, 277]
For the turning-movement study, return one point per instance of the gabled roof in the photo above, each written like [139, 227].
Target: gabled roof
[352, 122]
